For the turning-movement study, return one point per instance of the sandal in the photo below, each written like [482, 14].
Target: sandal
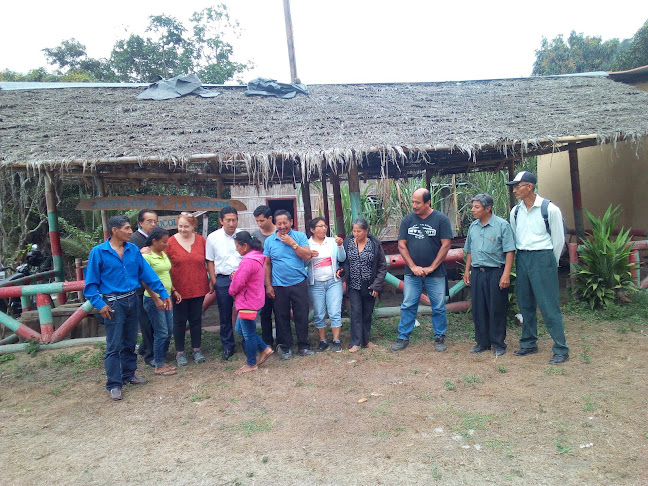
[370, 345]
[165, 371]
[354, 349]
[265, 355]
[245, 369]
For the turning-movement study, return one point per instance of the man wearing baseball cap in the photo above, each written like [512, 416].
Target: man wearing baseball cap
[539, 239]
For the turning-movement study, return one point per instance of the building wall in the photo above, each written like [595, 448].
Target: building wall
[616, 175]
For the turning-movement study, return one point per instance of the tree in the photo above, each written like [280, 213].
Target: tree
[172, 51]
[578, 55]
[633, 53]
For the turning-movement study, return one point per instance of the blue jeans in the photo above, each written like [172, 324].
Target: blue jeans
[121, 336]
[162, 322]
[436, 290]
[326, 295]
[253, 343]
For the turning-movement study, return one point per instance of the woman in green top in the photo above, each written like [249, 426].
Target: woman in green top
[161, 319]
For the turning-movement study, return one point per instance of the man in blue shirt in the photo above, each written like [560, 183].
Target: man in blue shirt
[288, 252]
[490, 249]
[115, 269]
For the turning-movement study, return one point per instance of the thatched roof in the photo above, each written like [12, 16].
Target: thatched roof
[384, 128]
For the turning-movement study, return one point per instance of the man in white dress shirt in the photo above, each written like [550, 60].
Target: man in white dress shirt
[539, 238]
[222, 261]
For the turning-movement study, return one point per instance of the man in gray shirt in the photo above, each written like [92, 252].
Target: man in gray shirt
[490, 249]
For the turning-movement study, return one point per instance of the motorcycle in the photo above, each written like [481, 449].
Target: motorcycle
[35, 262]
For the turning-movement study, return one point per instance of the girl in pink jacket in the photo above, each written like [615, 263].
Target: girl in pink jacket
[247, 288]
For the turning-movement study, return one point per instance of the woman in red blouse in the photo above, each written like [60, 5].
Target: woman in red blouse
[186, 250]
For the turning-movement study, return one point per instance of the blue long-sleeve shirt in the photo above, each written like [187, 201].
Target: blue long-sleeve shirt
[107, 273]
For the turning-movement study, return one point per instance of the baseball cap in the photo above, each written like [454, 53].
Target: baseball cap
[523, 176]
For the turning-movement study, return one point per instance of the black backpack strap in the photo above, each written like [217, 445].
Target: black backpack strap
[544, 210]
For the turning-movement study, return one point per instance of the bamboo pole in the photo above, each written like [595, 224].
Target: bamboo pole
[511, 172]
[306, 201]
[101, 189]
[54, 235]
[354, 192]
[337, 201]
[327, 216]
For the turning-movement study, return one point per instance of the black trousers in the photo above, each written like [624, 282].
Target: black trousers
[187, 310]
[294, 297]
[489, 307]
[361, 311]
[266, 321]
[146, 328]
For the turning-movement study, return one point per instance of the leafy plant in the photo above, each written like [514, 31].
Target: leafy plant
[32, 346]
[605, 268]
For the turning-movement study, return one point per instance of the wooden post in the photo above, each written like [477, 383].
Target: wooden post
[291, 42]
[327, 216]
[576, 194]
[104, 216]
[306, 200]
[354, 192]
[455, 202]
[428, 179]
[54, 235]
[337, 202]
[511, 171]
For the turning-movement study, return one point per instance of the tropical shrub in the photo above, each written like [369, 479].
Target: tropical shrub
[605, 267]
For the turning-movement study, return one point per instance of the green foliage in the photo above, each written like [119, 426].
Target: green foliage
[169, 49]
[605, 268]
[32, 346]
[373, 207]
[578, 55]
[7, 357]
[633, 52]
[584, 53]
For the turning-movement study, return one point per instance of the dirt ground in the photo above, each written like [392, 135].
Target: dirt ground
[375, 417]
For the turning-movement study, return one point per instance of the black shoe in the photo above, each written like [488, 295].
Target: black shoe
[336, 347]
[479, 349]
[305, 352]
[136, 381]
[525, 351]
[559, 358]
[323, 346]
[227, 354]
[439, 343]
[499, 351]
[400, 345]
[286, 353]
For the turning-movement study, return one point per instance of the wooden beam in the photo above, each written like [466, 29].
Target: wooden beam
[306, 201]
[576, 193]
[325, 201]
[291, 42]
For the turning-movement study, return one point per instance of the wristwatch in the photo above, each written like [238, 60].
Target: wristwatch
[295, 246]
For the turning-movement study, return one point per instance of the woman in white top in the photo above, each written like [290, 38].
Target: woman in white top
[325, 285]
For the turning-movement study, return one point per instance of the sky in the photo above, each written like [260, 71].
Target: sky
[336, 41]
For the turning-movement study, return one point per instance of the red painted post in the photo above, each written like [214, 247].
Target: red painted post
[573, 260]
[44, 304]
[69, 324]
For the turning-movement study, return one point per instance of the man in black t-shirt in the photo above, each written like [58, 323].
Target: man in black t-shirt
[423, 241]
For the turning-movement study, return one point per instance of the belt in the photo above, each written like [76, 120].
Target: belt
[222, 275]
[113, 297]
[486, 269]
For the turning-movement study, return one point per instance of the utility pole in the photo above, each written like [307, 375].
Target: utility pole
[291, 43]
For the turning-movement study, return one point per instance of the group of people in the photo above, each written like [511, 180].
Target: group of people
[277, 269]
